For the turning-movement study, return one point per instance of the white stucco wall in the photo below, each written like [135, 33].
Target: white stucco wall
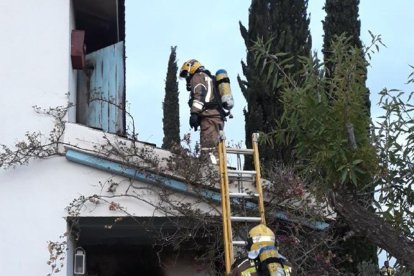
[34, 64]
[34, 71]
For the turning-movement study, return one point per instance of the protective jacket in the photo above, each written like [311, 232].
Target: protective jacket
[244, 267]
[387, 271]
[204, 103]
[202, 95]
[249, 267]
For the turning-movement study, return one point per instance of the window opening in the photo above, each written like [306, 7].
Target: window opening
[100, 97]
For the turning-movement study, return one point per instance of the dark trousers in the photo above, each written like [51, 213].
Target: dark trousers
[210, 127]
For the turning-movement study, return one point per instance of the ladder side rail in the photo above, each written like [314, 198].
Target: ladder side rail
[226, 212]
[256, 158]
[228, 204]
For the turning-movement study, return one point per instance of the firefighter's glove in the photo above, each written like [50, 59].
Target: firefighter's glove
[188, 84]
[194, 121]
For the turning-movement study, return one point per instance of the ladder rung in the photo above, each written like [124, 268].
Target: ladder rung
[240, 151]
[241, 177]
[239, 243]
[243, 195]
[240, 172]
[246, 219]
[208, 149]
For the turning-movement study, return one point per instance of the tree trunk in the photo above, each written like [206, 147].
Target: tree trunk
[374, 228]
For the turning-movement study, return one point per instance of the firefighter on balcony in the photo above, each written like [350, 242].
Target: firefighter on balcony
[386, 270]
[263, 256]
[204, 103]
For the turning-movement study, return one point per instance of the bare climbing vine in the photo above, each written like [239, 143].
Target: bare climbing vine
[35, 145]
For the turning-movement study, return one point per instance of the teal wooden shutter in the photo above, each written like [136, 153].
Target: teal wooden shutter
[101, 90]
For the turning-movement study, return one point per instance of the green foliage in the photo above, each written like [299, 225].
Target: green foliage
[329, 127]
[367, 269]
[326, 120]
[404, 272]
[342, 19]
[171, 108]
[394, 140]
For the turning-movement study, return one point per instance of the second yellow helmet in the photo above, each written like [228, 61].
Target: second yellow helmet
[259, 236]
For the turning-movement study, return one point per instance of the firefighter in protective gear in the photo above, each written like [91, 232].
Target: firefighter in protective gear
[386, 270]
[263, 256]
[203, 103]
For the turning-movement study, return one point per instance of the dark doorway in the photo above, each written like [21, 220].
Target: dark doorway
[131, 246]
[122, 260]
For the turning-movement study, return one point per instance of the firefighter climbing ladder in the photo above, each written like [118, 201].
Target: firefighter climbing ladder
[228, 196]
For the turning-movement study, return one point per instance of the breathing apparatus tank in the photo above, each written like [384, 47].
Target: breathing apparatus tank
[274, 268]
[223, 85]
[262, 247]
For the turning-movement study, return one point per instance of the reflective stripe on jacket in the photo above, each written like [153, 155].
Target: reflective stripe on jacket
[245, 267]
[202, 93]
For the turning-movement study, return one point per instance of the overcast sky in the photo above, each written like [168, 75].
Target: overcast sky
[209, 31]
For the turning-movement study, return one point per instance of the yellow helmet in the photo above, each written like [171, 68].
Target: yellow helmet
[189, 68]
[259, 236]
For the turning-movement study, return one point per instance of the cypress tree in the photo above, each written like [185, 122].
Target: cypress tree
[284, 24]
[171, 117]
[342, 18]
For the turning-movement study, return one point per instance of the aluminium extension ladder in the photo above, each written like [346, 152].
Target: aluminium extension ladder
[228, 196]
